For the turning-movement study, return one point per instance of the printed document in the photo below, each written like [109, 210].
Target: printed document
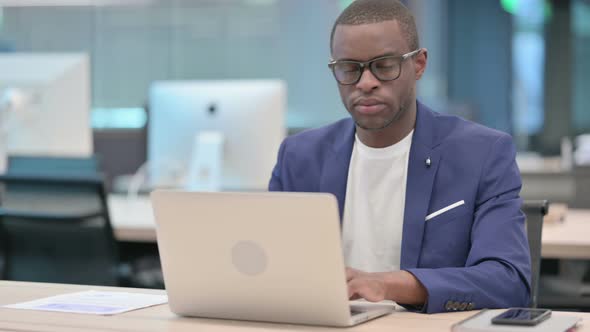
[93, 302]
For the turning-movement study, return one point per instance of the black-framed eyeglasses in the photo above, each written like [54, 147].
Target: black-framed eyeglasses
[384, 68]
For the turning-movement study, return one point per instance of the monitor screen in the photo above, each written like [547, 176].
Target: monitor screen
[45, 104]
[250, 114]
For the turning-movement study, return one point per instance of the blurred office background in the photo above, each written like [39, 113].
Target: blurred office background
[520, 66]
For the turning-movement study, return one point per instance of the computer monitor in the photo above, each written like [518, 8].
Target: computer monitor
[249, 115]
[45, 104]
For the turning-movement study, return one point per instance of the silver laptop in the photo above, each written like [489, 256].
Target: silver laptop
[272, 257]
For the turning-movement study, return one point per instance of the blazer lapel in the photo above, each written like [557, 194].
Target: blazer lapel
[334, 176]
[419, 186]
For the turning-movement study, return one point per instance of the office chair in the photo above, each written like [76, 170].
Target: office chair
[54, 222]
[534, 212]
[53, 166]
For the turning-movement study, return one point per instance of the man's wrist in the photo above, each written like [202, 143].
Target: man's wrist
[404, 287]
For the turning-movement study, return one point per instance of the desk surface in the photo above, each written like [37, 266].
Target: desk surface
[133, 220]
[159, 318]
[568, 239]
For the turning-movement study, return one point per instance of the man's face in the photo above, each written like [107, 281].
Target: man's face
[372, 103]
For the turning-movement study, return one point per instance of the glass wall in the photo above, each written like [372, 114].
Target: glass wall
[134, 45]
[528, 62]
[581, 62]
[488, 59]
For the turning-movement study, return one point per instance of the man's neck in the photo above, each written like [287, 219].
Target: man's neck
[392, 134]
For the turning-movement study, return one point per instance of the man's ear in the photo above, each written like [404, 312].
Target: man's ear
[420, 63]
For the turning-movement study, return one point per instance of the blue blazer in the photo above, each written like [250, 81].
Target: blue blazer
[470, 257]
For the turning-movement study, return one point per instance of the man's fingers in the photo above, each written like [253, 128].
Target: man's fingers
[350, 273]
[366, 289]
[358, 288]
[353, 273]
[353, 290]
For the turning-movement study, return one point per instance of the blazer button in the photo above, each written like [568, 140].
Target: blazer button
[463, 306]
[449, 306]
[470, 306]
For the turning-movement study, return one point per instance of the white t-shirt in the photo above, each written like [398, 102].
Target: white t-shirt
[374, 207]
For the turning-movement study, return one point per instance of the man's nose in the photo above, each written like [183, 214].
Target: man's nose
[368, 81]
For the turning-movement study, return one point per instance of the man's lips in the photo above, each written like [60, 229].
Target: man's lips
[368, 106]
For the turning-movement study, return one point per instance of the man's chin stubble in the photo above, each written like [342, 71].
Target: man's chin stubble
[397, 116]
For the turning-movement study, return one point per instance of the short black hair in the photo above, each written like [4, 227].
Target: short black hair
[375, 11]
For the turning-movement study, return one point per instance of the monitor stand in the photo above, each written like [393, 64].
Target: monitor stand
[205, 170]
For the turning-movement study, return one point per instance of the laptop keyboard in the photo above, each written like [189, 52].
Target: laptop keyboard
[356, 311]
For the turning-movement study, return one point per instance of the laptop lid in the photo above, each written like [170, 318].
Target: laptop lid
[254, 256]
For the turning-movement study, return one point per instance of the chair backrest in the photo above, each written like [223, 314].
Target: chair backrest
[55, 224]
[534, 212]
[53, 166]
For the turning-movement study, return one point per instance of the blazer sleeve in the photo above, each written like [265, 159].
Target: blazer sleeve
[497, 270]
[276, 183]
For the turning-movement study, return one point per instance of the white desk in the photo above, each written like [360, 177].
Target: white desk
[569, 239]
[159, 318]
[133, 220]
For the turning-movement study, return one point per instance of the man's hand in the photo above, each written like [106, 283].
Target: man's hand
[398, 286]
[369, 286]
